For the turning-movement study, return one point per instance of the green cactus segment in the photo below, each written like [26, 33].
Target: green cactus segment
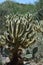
[2, 40]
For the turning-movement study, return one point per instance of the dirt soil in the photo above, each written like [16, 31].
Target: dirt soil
[36, 61]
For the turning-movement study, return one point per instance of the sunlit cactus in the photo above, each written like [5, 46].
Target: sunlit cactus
[2, 40]
[39, 26]
[28, 17]
[20, 31]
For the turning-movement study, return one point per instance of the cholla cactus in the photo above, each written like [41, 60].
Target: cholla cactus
[20, 31]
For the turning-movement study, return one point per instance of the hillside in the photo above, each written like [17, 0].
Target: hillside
[12, 7]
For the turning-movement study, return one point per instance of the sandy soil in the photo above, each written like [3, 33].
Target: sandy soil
[36, 62]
